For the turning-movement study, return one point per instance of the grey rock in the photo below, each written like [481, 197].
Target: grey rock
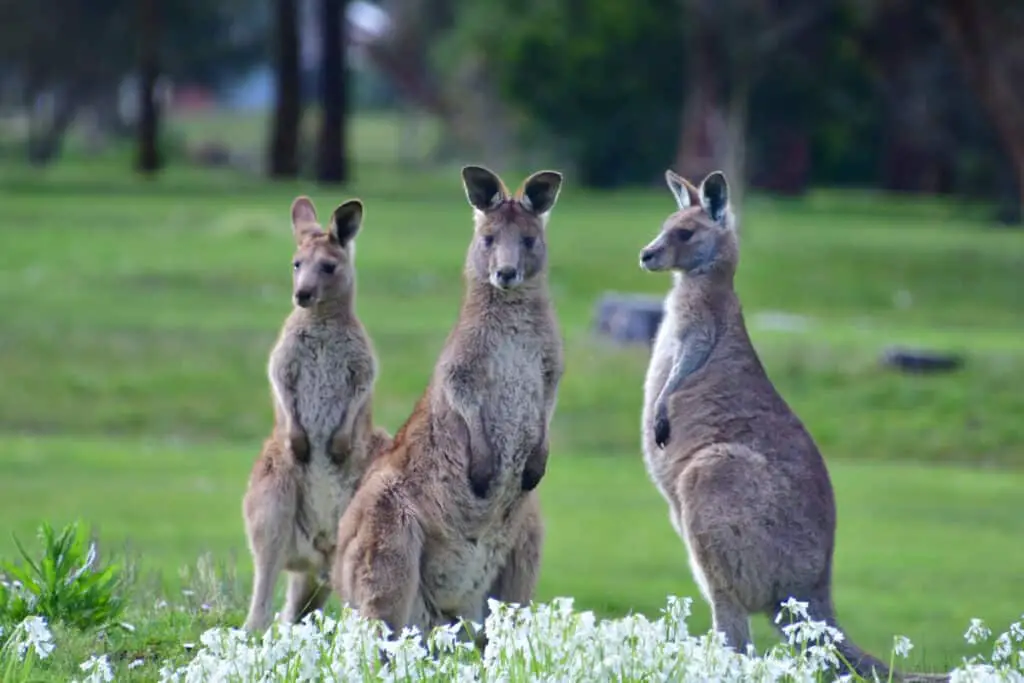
[628, 318]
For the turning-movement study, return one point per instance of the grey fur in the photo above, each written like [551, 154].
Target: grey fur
[322, 372]
[450, 515]
[747, 489]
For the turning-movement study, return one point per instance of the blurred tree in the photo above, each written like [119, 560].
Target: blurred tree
[986, 35]
[148, 160]
[599, 79]
[332, 146]
[733, 46]
[68, 56]
[284, 136]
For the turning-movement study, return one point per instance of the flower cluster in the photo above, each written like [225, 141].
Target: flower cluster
[545, 642]
[549, 642]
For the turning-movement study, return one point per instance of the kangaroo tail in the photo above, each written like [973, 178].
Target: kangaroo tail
[852, 658]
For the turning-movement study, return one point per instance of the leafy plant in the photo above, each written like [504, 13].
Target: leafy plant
[66, 584]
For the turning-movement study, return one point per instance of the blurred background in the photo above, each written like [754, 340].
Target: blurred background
[149, 151]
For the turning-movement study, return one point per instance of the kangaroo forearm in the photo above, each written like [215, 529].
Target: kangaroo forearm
[696, 348]
[482, 467]
[536, 463]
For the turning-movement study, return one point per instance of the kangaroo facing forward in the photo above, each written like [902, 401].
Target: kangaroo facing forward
[322, 371]
[449, 516]
[747, 489]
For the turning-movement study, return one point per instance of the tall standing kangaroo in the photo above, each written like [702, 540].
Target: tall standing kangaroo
[322, 372]
[449, 516]
[747, 489]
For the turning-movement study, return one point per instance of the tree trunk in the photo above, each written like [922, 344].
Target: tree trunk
[45, 141]
[971, 34]
[332, 146]
[284, 136]
[148, 160]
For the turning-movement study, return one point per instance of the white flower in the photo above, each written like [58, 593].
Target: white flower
[98, 669]
[977, 632]
[33, 633]
[136, 663]
[794, 609]
[902, 646]
[1003, 648]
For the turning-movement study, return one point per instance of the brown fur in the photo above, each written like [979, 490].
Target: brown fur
[322, 371]
[449, 516]
[747, 489]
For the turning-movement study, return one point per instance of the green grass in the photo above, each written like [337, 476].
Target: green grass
[135, 320]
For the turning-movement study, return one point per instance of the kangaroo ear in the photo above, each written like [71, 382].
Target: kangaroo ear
[714, 195]
[682, 189]
[303, 218]
[540, 192]
[346, 221]
[484, 188]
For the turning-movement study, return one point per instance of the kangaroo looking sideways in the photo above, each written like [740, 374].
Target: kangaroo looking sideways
[747, 488]
[449, 515]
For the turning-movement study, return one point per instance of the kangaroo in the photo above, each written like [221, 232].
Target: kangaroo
[322, 372]
[449, 515]
[747, 488]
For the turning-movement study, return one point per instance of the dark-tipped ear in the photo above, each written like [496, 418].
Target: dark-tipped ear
[540, 191]
[346, 221]
[685, 193]
[303, 217]
[714, 195]
[484, 188]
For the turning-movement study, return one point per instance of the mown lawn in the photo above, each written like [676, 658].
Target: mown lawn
[135, 319]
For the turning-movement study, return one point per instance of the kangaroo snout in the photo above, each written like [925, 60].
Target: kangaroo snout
[304, 297]
[506, 276]
[649, 258]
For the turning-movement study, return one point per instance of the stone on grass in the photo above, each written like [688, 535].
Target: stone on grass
[628, 318]
[920, 361]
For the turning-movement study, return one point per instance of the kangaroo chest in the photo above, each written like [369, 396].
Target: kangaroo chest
[324, 388]
[513, 400]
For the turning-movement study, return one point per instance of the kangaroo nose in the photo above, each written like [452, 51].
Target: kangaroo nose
[506, 274]
[646, 255]
[303, 297]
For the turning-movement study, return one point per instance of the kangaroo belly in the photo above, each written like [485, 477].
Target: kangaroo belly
[458, 572]
[325, 493]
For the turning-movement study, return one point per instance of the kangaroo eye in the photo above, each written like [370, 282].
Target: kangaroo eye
[528, 242]
[328, 268]
[684, 235]
[296, 265]
[488, 240]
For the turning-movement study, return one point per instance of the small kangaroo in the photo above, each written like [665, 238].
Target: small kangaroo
[449, 516]
[747, 489]
[322, 372]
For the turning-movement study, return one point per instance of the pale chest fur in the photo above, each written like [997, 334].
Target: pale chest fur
[663, 354]
[456, 581]
[514, 398]
[329, 367]
[327, 490]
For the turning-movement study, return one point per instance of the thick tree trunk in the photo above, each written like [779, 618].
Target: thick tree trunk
[284, 135]
[970, 29]
[148, 160]
[332, 146]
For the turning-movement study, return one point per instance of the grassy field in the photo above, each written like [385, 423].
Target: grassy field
[135, 319]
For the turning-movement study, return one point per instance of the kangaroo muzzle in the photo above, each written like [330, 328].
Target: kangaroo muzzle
[652, 255]
[506, 277]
